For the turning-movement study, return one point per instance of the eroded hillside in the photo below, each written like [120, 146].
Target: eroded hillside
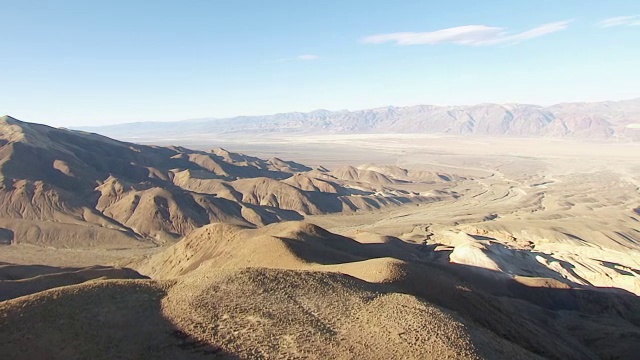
[70, 189]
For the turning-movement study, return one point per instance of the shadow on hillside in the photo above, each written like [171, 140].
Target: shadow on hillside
[529, 264]
[619, 268]
[21, 280]
[6, 236]
[558, 320]
[560, 323]
[106, 320]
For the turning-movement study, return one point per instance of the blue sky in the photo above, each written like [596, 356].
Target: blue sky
[70, 63]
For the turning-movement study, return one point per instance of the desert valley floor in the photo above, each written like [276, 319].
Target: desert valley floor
[517, 248]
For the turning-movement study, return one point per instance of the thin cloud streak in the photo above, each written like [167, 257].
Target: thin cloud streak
[632, 20]
[470, 35]
[308, 57]
[303, 57]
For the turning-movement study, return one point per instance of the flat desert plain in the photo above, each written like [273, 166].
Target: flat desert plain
[571, 206]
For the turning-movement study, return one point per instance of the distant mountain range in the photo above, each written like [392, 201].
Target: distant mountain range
[596, 120]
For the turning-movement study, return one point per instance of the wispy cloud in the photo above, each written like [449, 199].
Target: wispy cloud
[303, 57]
[307, 57]
[633, 20]
[472, 35]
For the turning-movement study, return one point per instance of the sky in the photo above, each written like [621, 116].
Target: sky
[81, 63]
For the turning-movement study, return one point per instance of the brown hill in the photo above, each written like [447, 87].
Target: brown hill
[355, 174]
[541, 315]
[107, 193]
[247, 313]
[21, 280]
[99, 320]
[295, 290]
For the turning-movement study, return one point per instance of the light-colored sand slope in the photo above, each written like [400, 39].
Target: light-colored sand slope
[574, 264]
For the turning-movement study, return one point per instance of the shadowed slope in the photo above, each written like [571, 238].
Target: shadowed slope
[283, 291]
[322, 315]
[116, 194]
[522, 310]
[101, 320]
[20, 280]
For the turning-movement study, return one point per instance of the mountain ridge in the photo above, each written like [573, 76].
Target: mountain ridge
[91, 190]
[581, 120]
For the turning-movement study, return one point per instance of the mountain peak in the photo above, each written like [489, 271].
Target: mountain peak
[11, 129]
[14, 130]
[8, 120]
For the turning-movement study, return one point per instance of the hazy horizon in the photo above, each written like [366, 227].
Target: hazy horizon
[124, 122]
